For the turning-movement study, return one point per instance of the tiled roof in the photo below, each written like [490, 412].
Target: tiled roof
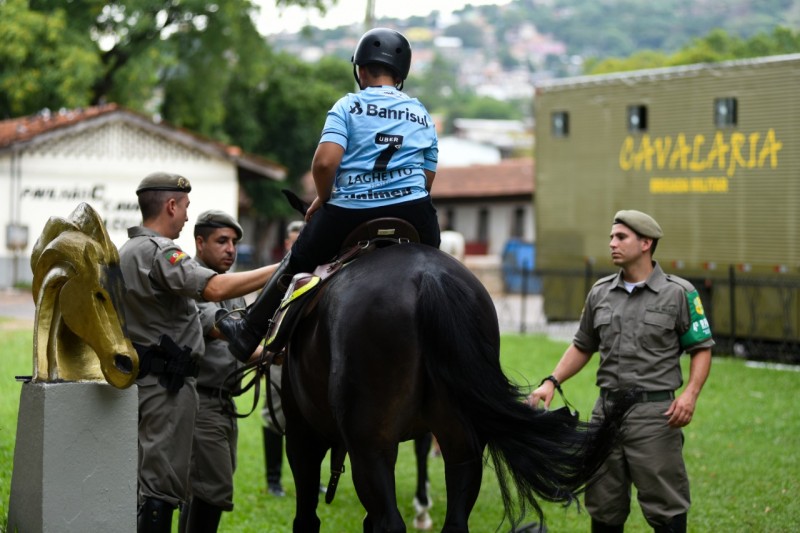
[30, 129]
[509, 178]
[22, 129]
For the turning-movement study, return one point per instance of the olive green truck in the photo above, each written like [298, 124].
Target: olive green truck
[711, 151]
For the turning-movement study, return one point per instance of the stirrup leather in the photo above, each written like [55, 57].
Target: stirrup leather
[301, 285]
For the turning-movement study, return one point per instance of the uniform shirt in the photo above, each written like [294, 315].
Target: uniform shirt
[217, 362]
[161, 286]
[389, 141]
[641, 335]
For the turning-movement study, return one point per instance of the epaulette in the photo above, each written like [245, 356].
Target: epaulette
[606, 279]
[685, 285]
[162, 241]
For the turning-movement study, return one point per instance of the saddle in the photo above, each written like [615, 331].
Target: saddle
[303, 290]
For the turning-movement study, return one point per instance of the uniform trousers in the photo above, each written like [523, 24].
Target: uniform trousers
[166, 428]
[275, 373]
[649, 456]
[214, 453]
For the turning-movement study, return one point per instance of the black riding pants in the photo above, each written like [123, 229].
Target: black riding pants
[322, 237]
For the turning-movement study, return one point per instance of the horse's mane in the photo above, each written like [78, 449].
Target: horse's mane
[84, 220]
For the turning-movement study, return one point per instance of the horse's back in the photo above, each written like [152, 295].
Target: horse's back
[362, 348]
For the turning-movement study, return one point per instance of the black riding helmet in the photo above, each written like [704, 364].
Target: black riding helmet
[382, 45]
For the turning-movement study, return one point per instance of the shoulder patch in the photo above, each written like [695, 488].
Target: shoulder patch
[699, 329]
[174, 256]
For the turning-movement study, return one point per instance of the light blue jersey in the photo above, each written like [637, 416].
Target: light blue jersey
[389, 140]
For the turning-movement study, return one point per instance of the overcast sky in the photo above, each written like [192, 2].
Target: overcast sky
[273, 20]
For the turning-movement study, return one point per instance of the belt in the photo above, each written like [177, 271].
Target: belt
[215, 392]
[639, 396]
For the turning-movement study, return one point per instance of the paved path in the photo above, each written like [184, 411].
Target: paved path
[17, 306]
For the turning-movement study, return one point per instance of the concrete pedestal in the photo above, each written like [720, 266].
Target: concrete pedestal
[75, 460]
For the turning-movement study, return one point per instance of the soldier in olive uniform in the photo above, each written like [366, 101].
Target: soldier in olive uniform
[275, 421]
[216, 235]
[162, 285]
[640, 320]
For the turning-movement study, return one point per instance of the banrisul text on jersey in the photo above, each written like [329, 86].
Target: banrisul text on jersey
[396, 114]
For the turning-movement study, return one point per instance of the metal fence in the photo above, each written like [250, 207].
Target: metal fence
[752, 316]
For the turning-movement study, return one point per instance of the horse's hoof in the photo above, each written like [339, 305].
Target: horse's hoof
[422, 519]
[424, 522]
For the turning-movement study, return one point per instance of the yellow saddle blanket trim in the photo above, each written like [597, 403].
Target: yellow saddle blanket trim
[301, 285]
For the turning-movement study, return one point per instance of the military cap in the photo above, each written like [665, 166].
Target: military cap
[164, 181]
[214, 218]
[641, 223]
[295, 225]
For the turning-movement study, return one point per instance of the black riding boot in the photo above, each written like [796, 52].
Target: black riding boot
[600, 527]
[201, 517]
[245, 334]
[155, 516]
[677, 524]
[273, 459]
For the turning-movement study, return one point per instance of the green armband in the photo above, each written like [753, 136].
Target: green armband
[699, 329]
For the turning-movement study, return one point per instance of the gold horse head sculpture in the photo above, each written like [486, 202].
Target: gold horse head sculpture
[79, 331]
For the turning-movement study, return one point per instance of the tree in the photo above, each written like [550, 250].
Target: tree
[43, 61]
[471, 35]
[283, 119]
[717, 46]
[83, 52]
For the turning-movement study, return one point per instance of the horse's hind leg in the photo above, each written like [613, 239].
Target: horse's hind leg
[463, 470]
[422, 447]
[463, 482]
[422, 503]
[373, 477]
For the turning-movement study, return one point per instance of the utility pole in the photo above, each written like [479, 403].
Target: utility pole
[369, 19]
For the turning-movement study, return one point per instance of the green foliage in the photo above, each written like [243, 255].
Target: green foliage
[742, 452]
[44, 62]
[198, 65]
[714, 47]
[471, 35]
[280, 115]
[620, 28]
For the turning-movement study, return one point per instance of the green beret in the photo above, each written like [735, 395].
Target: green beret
[214, 218]
[164, 181]
[641, 223]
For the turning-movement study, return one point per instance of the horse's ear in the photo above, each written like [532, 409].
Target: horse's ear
[54, 227]
[295, 201]
[89, 222]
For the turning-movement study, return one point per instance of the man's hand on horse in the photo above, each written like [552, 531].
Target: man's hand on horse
[544, 392]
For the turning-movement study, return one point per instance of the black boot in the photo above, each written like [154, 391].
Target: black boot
[273, 459]
[677, 524]
[600, 527]
[245, 334]
[201, 517]
[155, 516]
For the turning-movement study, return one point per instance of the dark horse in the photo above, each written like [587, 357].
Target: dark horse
[404, 341]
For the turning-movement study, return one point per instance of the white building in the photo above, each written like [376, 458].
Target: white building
[51, 162]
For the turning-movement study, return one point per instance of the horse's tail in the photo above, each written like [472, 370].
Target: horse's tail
[542, 453]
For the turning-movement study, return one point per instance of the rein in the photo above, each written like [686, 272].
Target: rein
[257, 369]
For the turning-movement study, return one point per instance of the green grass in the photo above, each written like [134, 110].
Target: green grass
[742, 452]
